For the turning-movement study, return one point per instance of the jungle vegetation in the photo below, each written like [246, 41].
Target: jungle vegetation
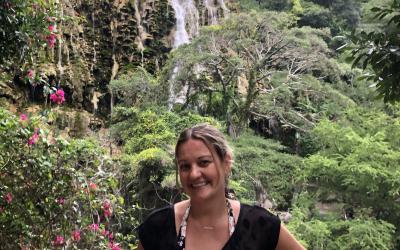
[306, 92]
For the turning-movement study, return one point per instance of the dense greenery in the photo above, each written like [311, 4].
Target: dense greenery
[55, 192]
[310, 141]
[379, 50]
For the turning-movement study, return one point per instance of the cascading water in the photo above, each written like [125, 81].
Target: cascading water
[187, 17]
[187, 27]
[213, 7]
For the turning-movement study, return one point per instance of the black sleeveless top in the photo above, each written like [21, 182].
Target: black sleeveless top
[256, 229]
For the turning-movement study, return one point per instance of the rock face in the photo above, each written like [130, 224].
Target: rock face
[102, 38]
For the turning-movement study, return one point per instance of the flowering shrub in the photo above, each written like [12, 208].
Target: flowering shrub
[43, 199]
[57, 97]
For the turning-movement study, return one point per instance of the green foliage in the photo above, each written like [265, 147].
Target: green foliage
[358, 155]
[20, 22]
[135, 87]
[271, 5]
[315, 16]
[143, 129]
[360, 233]
[235, 62]
[380, 52]
[257, 159]
[54, 187]
[338, 15]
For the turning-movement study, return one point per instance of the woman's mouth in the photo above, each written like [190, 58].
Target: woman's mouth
[199, 184]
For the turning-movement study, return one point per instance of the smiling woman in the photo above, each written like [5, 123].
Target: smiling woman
[209, 220]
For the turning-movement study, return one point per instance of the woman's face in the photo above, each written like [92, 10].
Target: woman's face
[201, 172]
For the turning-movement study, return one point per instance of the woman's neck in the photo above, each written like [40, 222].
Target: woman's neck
[207, 212]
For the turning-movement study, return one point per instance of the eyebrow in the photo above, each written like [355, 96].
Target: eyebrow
[199, 158]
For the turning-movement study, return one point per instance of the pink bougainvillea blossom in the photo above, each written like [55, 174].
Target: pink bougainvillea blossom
[76, 235]
[94, 227]
[58, 241]
[30, 74]
[8, 197]
[107, 208]
[51, 28]
[107, 213]
[23, 118]
[106, 204]
[58, 97]
[111, 236]
[34, 138]
[114, 246]
[93, 186]
[105, 233]
[60, 200]
[51, 40]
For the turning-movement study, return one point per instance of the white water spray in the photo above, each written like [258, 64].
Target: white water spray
[187, 27]
[187, 17]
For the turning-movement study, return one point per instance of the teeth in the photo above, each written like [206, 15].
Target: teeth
[196, 185]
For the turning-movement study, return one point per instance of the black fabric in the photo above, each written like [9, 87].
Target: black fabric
[256, 229]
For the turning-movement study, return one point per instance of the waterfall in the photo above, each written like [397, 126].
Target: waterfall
[187, 21]
[213, 7]
[187, 27]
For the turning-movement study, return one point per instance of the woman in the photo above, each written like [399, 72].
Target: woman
[208, 220]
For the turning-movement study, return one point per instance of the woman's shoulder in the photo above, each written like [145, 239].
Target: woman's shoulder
[160, 215]
[258, 211]
[157, 230]
[259, 215]
[257, 228]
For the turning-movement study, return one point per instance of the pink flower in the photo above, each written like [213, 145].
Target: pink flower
[111, 236]
[107, 208]
[92, 186]
[51, 28]
[30, 74]
[107, 212]
[105, 233]
[23, 118]
[51, 40]
[8, 197]
[94, 227]
[59, 241]
[34, 138]
[106, 204]
[58, 97]
[60, 92]
[114, 246]
[60, 200]
[76, 235]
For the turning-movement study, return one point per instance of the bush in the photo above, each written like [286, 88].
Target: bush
[55, 193]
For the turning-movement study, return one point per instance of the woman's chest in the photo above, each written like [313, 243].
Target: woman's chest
[210, 239]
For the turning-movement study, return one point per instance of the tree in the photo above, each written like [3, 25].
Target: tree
[357, 163]
[379, 51]
[234, 63]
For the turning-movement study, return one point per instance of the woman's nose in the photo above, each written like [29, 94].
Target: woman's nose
[195, 172]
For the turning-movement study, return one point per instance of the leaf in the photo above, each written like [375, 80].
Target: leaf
[375, 9]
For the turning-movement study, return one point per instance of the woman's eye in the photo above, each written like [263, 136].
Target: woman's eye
[204, 163]
[184, 167]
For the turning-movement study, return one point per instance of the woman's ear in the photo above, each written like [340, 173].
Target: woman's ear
[228, 163]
